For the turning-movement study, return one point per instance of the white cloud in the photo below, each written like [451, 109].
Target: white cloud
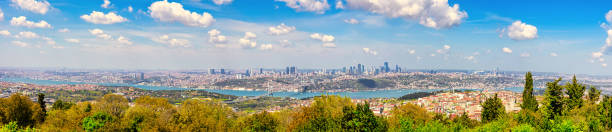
[369, 51]
[5, 33]
[604, 65]
[521, 31]
[171, 11]
[216, 37]
[49, 40]
[71, 40]
[470, 58]
[316, 6]
[328, 40]
[64, 30]
[609, 16]
[27, 34]
[130, 9]
[265, 47]
[22, 21]
[40, 7]
[553, 54]
[411, 51]
[246, 42]
[430, 13]
[172, 42]
[506, 50]
[444, 49]
[322, 37]
[101, 18]
[351, 21]
[329, 45]
[100, 34]
[285, 43]
[221, 2]
[106, 4]
[123, 40]
[339, 4]
[281, 29]
[20, 44]
[525, 54]
[597, 54]
[1, 15]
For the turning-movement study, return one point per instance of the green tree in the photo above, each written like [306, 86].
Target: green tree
[575, 91]
[593, 95]
[43, 107]
[553, 100]
[61, 105]
[18, 108]
[492, 109]
[204, 115]
[260, 122]
[149, 114]
[112, 104]
[96, 121]
[605, 111]
[323, 114]
[361, 119]
[529, 100]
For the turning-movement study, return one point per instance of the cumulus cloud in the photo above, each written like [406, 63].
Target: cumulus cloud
[5, 33]
[328, 40]
[506, 50]
[604, 65]
[411, 51]
[124, 40]
[214, 36]
[22, 21]
[470, 58]
[281, 29]
[444, 49]
[27, 35]
[265, 47]
[285, 43]
[20, 44]
[609, 16]
[322, 37]
[525, 54]
[71, 40]
[101, 18]
[316, 6]
[172, 42]
[369, 51]
[49, 41]
[430, 13]
[553, 54]
[521, 31]
[40, 7]
[351, 21]
[607, 47]
[339, 4]
[106, 4]
[329, 45]
[100, 34]
[64, 30]
[222, 2]
[1, 15]
[246, 42]
[174, 12]
[130, 9]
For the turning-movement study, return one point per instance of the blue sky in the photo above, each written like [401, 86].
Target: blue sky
[548, 36]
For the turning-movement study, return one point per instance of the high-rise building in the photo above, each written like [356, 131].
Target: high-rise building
[359, 70]
[211, 71]
[247, 73]
[387, 67]
[222, 71]
[142, 76]
[260, 70]
[287, 70]
[293, 70]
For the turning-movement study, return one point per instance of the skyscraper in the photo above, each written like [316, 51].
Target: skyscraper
[386, 66]
[211, 71]
[222, 71]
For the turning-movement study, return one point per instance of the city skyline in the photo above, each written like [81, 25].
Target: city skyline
[237, 34]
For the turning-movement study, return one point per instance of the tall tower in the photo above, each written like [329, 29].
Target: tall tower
[386, 66]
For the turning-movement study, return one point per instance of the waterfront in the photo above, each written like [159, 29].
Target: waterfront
[299, 95]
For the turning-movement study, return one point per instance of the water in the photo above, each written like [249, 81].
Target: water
[299, 95]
